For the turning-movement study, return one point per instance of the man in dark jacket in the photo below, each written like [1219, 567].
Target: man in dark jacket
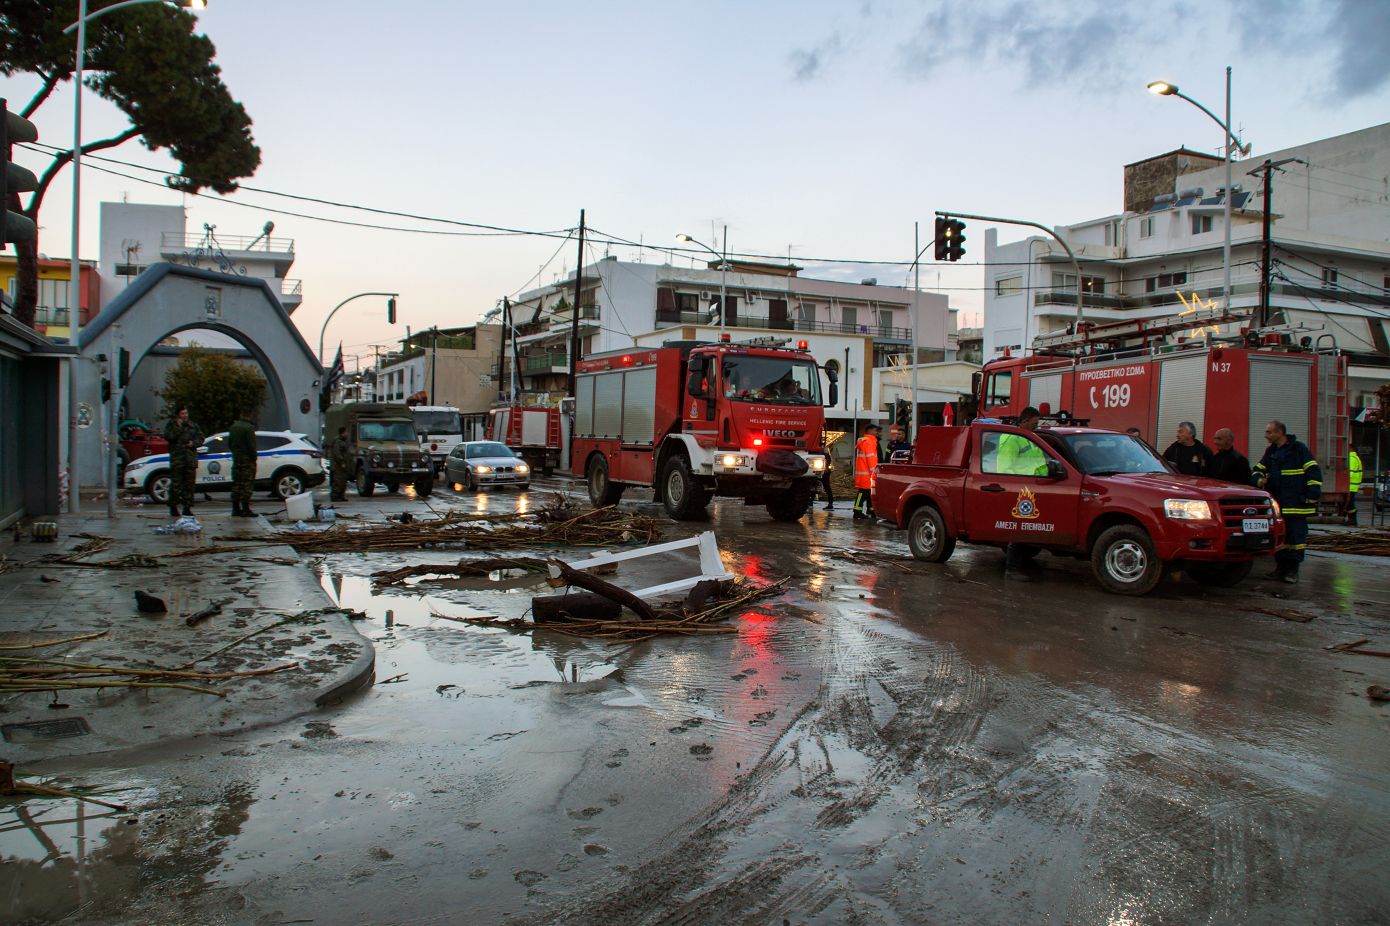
[1289, 473]
[1188, 455]
[184, 439]
[241, 440]
[340, 456]
[1227, 464]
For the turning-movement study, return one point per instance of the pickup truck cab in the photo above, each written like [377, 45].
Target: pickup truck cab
[1084, 492]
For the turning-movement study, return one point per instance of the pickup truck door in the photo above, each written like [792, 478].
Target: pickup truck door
[1010, 506]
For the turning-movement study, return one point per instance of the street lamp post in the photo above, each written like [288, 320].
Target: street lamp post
[324, 329]
[723, 272]
[75, 284]
[1163, 88]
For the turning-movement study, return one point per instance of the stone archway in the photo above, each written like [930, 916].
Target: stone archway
[167, 299]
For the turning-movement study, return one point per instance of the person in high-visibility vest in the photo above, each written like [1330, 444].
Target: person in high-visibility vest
[865, 471]
[1354, 486]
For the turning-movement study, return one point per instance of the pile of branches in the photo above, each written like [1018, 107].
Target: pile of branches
[556, 524]
[706, 604]
[463, 569]
[1364, 543]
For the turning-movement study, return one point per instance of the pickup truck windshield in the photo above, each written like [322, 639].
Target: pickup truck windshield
[427, 423]
[771, 380]
[1109, 454]
[399, 431]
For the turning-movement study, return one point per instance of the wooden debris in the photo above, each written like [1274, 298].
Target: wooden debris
[1377, 693]
[1362, 543]
[10, 786]
[57, 642]
[1355, 647]
[211, 610]
[557, 609]
[464, 568]
[1288, 614]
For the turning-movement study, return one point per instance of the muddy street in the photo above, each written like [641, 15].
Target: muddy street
[884, 743]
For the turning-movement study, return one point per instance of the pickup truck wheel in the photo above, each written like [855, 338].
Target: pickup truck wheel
[927, 537]
[393, 486]
[602, 492]
[366, 485]
[1125, 562]
[1219, 575]
[791, 505]
[683, 498]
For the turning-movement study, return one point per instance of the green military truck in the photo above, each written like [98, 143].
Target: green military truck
[383, 445]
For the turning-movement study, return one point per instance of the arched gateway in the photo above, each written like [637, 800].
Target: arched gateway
[168, 298]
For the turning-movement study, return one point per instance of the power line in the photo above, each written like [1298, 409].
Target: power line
[1315, 263]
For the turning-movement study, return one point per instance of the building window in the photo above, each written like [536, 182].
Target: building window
[1165, 281]
[1009, 286]
[1201, 224]
[1329, 277]
[885, 319]
[1093, 284]
[53, 294]
[806, 313]
[849, 318]
[1146, 227]
[1112, 234]
[688, 302]
[1063, 282]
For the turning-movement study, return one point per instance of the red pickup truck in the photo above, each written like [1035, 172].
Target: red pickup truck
[1087, 493]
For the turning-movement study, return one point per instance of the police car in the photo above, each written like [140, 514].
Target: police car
[286, 464]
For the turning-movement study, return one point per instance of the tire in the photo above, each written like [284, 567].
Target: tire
[1125, 562]
[1219, 575]
[158, 486]
[927, 536]
[791, 505]
[523, 486]
[424, 486]
[393, 486]
[366, 485]
[473, 484]
[286, 482]
[683, 498]
[602, 491]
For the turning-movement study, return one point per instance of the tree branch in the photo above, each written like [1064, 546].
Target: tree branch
[49, 82]
[60, 161]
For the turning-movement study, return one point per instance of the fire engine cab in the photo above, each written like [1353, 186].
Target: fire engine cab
[1152, 374]
[695, 419]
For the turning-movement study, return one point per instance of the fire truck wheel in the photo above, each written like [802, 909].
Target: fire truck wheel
[366, 485]
[927, 537]
[1125, 562]
[790, 505]
[1219, 575]
[602, 492]
[684, 499]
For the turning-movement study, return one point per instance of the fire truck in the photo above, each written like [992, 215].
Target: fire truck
[696, 419]
[1152, 374]
[533, 431]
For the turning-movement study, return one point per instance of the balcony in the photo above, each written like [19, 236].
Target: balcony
[552, 362]
[667, 319]
[229, 251]
[291, 294]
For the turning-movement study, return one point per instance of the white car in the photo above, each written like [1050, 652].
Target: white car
[286, 464]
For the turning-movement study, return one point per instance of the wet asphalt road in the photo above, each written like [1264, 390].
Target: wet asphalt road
[880, 745]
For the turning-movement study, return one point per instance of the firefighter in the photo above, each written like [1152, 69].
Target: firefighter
[1289, 473]
[241, 440]
[1354, 486]
[340, 456]
[1021, 457]
[865, 468]
[1227, 463]
[183, 437]
[1187, 454]
[898, 444]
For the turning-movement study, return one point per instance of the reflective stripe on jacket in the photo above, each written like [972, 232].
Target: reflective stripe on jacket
[1292, 476]
[1354, 465]
[865, 462]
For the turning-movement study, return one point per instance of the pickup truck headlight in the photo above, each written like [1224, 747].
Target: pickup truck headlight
[731, 460]
[817, 464]
[1278, 512]
[480, 468]
[1187, 509]
[376, 458]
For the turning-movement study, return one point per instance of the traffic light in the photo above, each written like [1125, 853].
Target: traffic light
[941, 240]
[902, 412]
[15, 179]
[123, 368]
[955, 239]
[391, 310]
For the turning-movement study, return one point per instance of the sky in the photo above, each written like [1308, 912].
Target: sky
[816, 128]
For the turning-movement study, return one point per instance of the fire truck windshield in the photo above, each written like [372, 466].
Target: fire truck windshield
[1110, 454]
[437, 422]
[772, 380]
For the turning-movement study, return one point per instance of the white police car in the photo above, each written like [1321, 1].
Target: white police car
[286, 464]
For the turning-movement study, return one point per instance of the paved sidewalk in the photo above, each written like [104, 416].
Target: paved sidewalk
[261, 583]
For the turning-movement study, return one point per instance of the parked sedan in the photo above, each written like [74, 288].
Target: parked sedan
[481, 463]
[286, 464]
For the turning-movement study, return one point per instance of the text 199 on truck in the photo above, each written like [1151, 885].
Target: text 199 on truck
[696, 419]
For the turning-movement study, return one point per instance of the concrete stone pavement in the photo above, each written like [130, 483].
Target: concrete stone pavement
[234, 562]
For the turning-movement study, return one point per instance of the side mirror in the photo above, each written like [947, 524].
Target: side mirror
[699, 363]
[833, 395]
[695, 384]
[976, 379]
[1055, 469]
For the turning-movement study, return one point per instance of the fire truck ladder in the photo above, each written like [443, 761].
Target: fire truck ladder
[1332, 450]
[1091, 333]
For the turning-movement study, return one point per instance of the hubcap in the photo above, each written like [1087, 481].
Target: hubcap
[161, 489]
[1126, 561]
[290, 485]
[675, 487]
[926, 534]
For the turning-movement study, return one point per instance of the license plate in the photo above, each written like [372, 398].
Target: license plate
[1255, 525]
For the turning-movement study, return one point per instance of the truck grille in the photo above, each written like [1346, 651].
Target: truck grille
[1235, 508]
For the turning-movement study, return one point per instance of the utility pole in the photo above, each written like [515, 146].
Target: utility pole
[502, 343]
[434, 362]
[574, 326]
[1266, 259]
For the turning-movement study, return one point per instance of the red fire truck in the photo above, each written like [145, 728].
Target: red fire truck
[1152, 374]
[695, 419]
[533, 431]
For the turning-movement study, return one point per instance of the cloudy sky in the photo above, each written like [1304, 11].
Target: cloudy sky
[816, 127]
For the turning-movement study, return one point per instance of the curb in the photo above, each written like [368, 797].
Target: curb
[359, 675]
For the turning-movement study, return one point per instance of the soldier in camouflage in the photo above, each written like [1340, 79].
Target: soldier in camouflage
[241, 440]
[184, 438]
[340, 456]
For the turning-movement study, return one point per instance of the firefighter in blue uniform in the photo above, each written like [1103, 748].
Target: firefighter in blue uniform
[1289, 473]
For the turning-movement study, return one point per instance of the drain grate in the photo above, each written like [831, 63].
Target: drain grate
[44, 730]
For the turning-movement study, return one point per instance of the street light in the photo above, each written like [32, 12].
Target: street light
[1164, 88]
[75, 284]
[324, 329]
[723, 271]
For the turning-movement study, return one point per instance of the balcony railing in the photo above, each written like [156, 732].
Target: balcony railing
[882, 332]
[544, 362]
[172, 241]
[292, 287]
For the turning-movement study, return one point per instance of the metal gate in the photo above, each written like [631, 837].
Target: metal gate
[1182, 396]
